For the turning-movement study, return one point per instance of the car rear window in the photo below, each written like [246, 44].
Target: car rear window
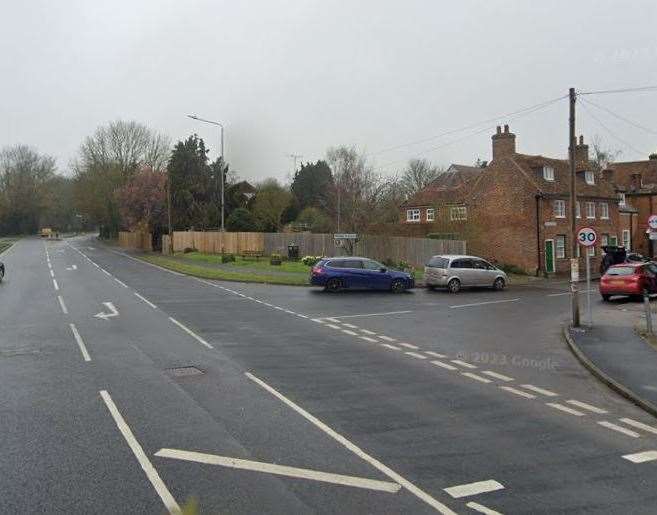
[438, 262]
[622, 270]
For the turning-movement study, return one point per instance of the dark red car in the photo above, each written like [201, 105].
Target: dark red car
[630, 278]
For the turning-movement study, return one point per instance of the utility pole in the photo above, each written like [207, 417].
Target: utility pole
[169, 212]
[574, 261]
[294, 165]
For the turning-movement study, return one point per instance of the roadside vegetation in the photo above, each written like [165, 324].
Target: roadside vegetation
[5, 243]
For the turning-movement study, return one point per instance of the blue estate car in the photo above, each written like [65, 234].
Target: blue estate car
[337, 273]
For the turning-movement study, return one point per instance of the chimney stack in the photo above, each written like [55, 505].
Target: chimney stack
[581, 155]
[504, 143]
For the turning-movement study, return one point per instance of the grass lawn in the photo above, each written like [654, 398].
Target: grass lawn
[259, 264]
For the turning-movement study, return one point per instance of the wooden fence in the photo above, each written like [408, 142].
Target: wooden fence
[136, 240]
[415, 251]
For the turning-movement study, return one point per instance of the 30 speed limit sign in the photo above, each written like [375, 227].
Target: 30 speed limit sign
[587, 237]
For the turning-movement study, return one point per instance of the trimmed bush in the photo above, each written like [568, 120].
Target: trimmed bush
[310, 260]
[227, 258]
[275, 259]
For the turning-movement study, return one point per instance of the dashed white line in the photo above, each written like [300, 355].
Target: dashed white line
[641, 457]
[434, 354]
[55, 285]
[368, 339]
[387, 338]
[301, 316]
[333, 326]
[501, 377]
[152, 475]
[389, 346]
[462, 363]
[121, 282]
[52, 274]
[483, 303]
[62, 305]
[366, 331]
[476, 377]
[518, 392]
[332, 320]
[81, 345]
[415, 347]
[639, 425]
[374, 314]
[318, 320]
[191, 333]
[618, 428]
[481, 508]
[480, 487]
[351, 333]
[145, 300]
[420, 494]
[565, 409]
[444, 365]
[542, 391]
[589, 407]
[415, 355]
[350, 326]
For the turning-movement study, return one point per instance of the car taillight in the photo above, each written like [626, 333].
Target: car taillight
[318, 270]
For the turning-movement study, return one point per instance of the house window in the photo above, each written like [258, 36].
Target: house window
[559, 207]
[412, 215]
[591, 250]
[626, 239]
[604, 210]
[589, 177]
[613, 240]
[604, 239]
[560, 246]
[458, 213]
[621, 199]
[590, 210]
[431, 214]
[578, 211]
[548, 173]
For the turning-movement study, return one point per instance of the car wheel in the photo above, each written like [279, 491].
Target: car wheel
[606, 298]
[398, 286]
[499, 284]
[454, 286]
[333, 285]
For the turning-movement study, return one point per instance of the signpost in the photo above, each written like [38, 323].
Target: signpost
[652, 221]
[349, 238]
[587, 238]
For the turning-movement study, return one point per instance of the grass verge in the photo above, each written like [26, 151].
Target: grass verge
[224, 275]
[5, 243]
[258, 264]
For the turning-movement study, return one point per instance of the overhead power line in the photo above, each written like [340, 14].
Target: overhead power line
[616, 115]
[623, 90]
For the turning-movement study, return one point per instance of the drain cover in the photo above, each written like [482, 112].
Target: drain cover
[185, 371]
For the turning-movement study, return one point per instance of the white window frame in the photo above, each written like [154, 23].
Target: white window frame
[458, 213]
[560, 250]
[560, 211]
[548, 173]
[604, 240]
[431, 214]
[604, 211]
[413, 215]
[621, 199]
[589, 177]
[627, 239]
[578, 210]
[590, 208]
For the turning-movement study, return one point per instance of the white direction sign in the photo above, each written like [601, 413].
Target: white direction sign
[587, 236]
[113, 312]
[345, 236]
[652, 221]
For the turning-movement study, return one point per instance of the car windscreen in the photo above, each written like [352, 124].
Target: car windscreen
[622, 270]
[438, 262]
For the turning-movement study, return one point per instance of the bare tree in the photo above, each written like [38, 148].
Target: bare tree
[602, 156]
[418, 174]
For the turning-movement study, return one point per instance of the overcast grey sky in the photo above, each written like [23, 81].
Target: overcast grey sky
[301, 76]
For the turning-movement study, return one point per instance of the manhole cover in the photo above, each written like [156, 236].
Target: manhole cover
[185, 371]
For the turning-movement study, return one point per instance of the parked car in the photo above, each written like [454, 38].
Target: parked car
[456, 272]
[630, 278]
[338, 273]
[2, 271]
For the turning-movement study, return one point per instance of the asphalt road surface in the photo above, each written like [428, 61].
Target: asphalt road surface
[125, 388]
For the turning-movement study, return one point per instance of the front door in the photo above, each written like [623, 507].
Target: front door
[549, 256]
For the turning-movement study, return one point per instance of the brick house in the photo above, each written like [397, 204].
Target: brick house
[515, 210]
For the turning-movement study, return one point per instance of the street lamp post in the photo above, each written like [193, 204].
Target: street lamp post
[194, 117]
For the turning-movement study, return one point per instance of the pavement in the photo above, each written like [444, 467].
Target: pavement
[128, 388]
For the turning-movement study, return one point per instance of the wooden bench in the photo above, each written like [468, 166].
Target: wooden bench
[252, 254]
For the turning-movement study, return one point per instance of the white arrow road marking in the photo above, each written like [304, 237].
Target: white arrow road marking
[113, 311]
[641, 457]
[280, 470]
[72, 267]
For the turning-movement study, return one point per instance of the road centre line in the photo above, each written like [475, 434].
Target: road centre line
[350, 326]
[389, 346]
[502, 377]
[280, 470]
[474, 304]
[420, 494]
[152, 475]
[639, 425]
[78, 340]
[444, 365]
[641, 457]
[480, 487]
[481, 508]
[145, 300]
[542, 391]
[618, 428]
[462, 363]
[373, 314]
[351, 333]
[368, 339]
[367, 331]
[55, 285]
[476, 377]
[415, 355]
[434, 354]
[589, 407]
[565, 409]
[52, 274]
[191, 333]
[518, 392]
[387, 338]
[62, 305]
[333, 326]
[415, 347]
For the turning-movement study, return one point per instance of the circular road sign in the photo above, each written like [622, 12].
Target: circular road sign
[652, 221]
[587, 237]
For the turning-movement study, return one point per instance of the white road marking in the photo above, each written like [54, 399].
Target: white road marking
[318, 320]
[542, 391]
[618, 428]
[432, 353]
[481, 508]
[55, 285]
[366, 331]
[387, 338]
[298, 314]
[152, 475]
[374, 314]
[444, 365]
[106, 272]
[641, 457]
[518, 392]
[52, 274]
[415, 347]
[146, 300]
[639, 425]
[191, 333]
[589, 407]
[501, 377]
[350, 326]
[462, 363]
[62, 305]
[388, 346]
[332, 320]
[415, 355]
[121, 282]
[420, 494]
[475, 377]
[565, 409]
[368, 339]
[146, 263]
[351, 333]
[483, 303]
[113, 312]
[333, 326]
[280, 470]
[480, 487]
[81, 345]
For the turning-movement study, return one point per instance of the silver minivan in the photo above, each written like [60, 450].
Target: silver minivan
[456, 272]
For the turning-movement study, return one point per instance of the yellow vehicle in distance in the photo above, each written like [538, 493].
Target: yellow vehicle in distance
[46, 232]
